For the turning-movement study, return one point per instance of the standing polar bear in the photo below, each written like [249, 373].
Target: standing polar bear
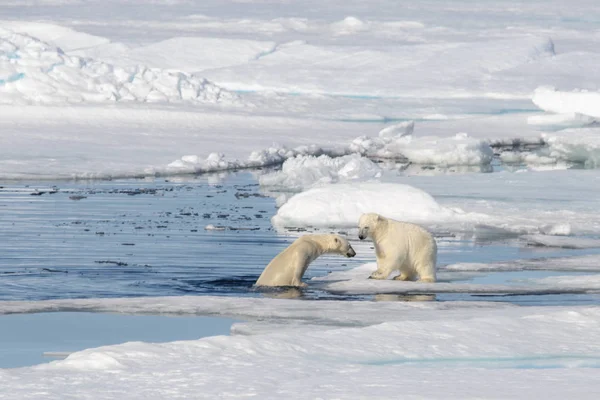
[288, 267]
[400, 246]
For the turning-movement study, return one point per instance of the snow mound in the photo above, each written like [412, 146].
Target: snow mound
[32, 71]
[398, 141]
[576, 102]
[303, 172]
[341, 205]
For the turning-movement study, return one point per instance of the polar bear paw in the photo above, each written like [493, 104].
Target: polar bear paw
[377, 275]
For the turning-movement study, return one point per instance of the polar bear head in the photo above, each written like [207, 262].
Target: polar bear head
[340, 245]
[367, 224]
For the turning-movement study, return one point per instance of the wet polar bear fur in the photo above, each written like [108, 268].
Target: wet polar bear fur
[400, 246]
[288, 267]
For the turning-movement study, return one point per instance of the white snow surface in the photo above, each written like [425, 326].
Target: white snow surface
[491, 344]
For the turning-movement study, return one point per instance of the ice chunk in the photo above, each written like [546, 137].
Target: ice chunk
[576, 102]
[580, 146]
[398, 130]
[398, 141]
[305, 171]
[277, 154]
[193, 164]
[457, 150]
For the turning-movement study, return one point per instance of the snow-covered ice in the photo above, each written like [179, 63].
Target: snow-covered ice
[32, 71]
[577, 102]
[356, 281]
[589, 262]
[561, 241]
[303, 172]
[459, 149]
[509, 202]
[341, 205]
[489, 343]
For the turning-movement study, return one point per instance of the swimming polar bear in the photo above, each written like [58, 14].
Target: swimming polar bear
[400, 246]
[288, 267]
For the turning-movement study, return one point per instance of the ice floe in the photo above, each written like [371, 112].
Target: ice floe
[589, 262]
[489, 343]
[566, 242]
[341, 205]
[356, 282]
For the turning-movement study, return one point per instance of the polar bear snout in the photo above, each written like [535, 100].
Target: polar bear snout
[351, 253]
[363, 233]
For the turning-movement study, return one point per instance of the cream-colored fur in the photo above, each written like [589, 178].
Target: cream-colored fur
[288, 267]
[400, 246]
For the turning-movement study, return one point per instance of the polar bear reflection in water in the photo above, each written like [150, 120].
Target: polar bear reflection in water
[399, 246]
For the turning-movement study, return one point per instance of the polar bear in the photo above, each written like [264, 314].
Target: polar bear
[288, 267]
[400, 246]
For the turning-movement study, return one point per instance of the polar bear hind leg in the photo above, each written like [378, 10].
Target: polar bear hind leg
[426, 270]
[407, 272]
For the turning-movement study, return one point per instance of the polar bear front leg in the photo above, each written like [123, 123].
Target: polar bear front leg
[299, 266]
[384, 269]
